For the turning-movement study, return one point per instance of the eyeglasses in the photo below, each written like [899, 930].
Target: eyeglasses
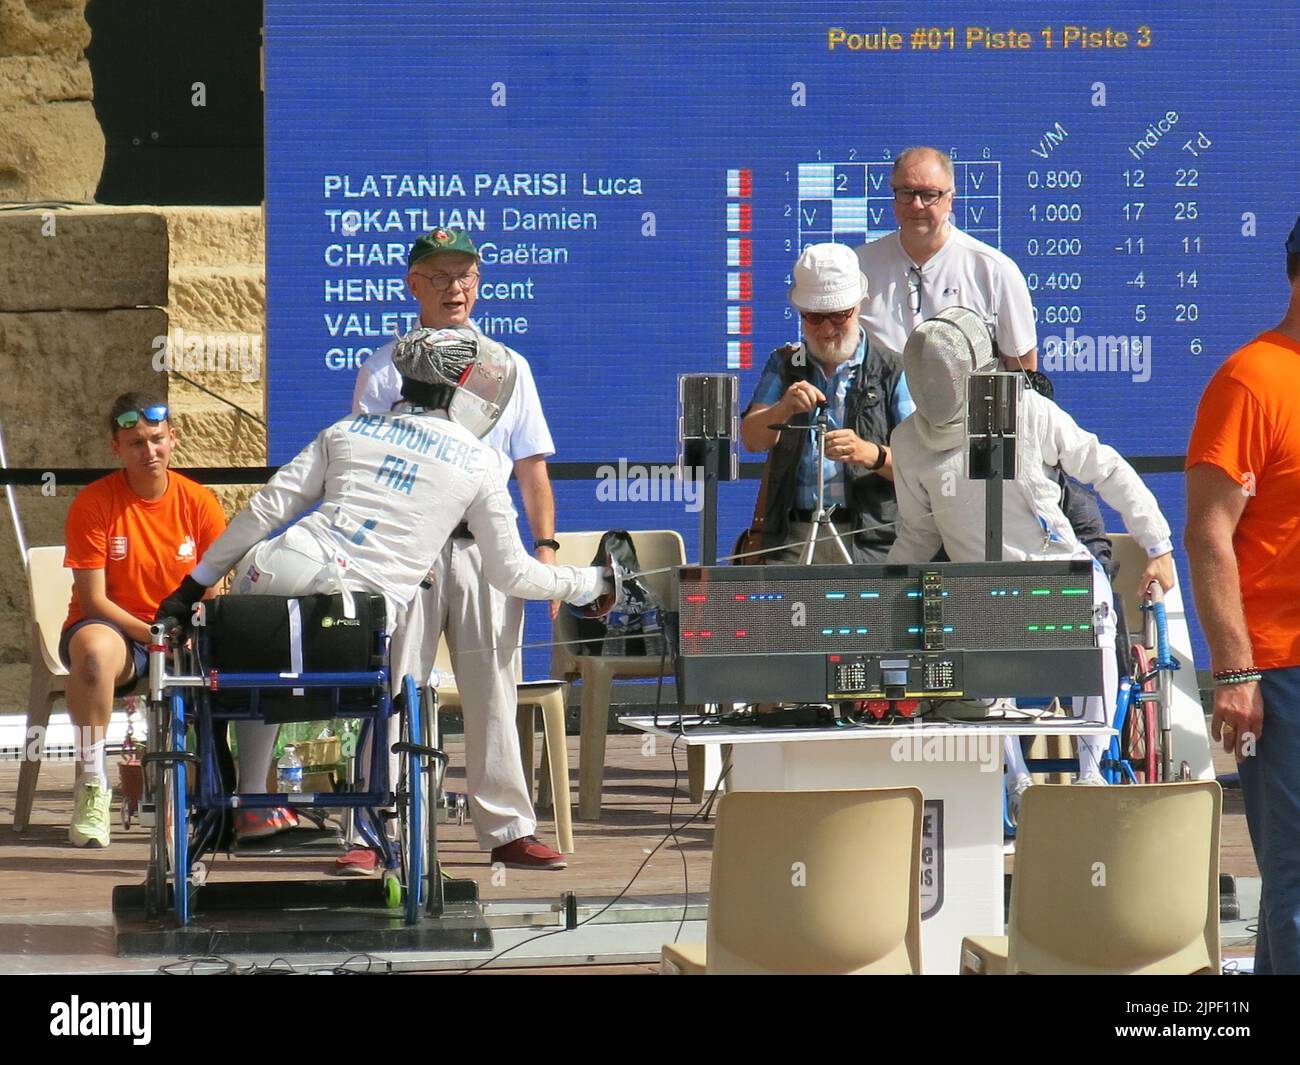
[440, 281]
[914, 288]
[129, 419]
[834, 317]
[928, 197]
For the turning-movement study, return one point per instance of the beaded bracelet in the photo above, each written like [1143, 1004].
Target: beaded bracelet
[1237, 676]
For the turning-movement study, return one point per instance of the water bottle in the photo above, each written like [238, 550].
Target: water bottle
[616, 634]
[288, 771]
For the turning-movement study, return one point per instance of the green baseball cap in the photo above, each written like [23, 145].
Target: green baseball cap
[439, 240]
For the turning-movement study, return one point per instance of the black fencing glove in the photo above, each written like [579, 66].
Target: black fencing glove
[179, 605]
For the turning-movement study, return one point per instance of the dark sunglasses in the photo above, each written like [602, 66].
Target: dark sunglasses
[835, 317]
[129, 419]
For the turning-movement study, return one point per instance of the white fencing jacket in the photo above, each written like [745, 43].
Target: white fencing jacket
[391, 489]
[938, 506]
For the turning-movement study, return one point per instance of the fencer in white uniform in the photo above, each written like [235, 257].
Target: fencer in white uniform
[938, 506]
[392, 488]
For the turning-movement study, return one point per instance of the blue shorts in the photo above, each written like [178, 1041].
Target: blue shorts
[136, 653]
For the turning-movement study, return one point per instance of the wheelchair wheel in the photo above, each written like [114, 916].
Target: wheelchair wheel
[413, 809]
[169, 837]
[180, 804]
[158, 783]
[1142, 741]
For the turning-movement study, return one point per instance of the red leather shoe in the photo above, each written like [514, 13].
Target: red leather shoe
[258, 824]
[359, 861]
[528, 852]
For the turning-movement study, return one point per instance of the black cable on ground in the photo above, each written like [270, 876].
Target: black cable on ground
[670, 834]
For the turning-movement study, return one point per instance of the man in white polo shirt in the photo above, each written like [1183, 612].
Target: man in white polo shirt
[480, 622]
[929, 265]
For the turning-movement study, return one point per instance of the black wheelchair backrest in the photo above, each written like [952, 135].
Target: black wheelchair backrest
[300, 634]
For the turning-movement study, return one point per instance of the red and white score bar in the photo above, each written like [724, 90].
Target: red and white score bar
[740, 281]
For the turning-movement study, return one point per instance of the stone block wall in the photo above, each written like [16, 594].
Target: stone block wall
[80, 311]
[51, 146]
[84, 308]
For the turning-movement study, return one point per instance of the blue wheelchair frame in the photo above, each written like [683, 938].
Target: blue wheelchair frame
[197, 820]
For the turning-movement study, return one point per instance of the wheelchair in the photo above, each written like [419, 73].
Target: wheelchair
[282, 659]
[1141, 752]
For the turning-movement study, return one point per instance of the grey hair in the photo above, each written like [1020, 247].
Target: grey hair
[942, 157]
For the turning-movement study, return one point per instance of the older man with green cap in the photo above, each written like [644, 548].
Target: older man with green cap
[443, 276]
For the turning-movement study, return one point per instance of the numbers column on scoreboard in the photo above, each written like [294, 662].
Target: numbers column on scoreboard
[1054, 253]
[1160, 188]
[1186, 214]
[740, 277]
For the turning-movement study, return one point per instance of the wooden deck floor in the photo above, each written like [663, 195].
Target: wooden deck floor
[40, 873]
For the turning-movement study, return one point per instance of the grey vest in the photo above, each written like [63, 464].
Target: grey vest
[870, 499]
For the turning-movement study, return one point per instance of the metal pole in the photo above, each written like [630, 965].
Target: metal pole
[12, 498]
[993, 503]
[709, 515]
[1164, 680]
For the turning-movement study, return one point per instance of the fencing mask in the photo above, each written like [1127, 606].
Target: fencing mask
[469, 374]
[938, 358]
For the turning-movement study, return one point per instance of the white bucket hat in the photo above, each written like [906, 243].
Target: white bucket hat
[827, 278]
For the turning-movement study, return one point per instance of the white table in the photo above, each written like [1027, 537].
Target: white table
[958, 768]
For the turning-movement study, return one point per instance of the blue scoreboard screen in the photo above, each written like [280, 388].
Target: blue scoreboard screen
[641, 176]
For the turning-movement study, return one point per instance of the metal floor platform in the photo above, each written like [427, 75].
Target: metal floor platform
[632, 930]
[299, 916]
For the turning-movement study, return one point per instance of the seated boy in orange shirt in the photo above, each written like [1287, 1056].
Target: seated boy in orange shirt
[131, 537]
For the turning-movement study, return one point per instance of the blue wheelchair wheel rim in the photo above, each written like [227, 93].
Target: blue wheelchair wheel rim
[180, 815]
[414, 886]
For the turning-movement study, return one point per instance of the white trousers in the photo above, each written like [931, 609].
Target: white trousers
[483, 629]
[1100, 708]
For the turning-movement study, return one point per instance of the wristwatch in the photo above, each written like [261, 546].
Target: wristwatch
[881, 456]
[554, 545]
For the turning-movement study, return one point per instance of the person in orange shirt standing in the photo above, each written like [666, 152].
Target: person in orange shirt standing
[1243, 543]
[131, 537]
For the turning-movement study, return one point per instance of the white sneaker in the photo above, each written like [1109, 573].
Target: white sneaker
[1016, 788]
[90, 813]
[1090, 779]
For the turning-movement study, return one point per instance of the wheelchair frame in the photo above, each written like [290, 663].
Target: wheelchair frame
[1143, 712]
[188, 823]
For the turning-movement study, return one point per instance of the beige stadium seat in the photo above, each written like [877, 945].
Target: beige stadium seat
[656, 549]
[1109, 881]
[548, 697]
[49, 587]
[812, 882]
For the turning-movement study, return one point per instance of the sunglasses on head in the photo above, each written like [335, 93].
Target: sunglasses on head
[129, 419]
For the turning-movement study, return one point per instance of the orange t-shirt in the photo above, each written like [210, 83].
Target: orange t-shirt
[1248, 425]
[145, 547]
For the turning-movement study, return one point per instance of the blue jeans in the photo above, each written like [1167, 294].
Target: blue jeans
[1270, 784]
